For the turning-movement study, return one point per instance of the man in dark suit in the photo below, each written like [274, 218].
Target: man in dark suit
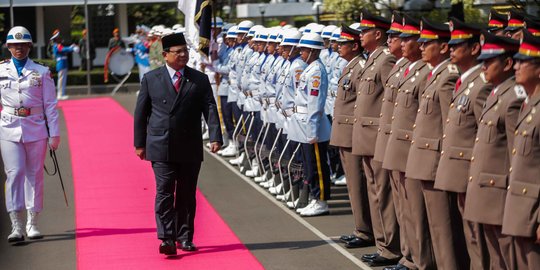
[168, 133]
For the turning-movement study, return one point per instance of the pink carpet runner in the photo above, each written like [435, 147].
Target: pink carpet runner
[114, 200]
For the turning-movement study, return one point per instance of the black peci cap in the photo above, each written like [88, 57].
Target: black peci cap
[172, 40]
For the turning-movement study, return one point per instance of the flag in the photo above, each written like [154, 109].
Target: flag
[198, 22]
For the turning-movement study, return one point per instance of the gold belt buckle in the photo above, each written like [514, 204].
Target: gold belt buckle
[22, 112]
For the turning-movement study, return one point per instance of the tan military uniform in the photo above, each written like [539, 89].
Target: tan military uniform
[383, 132]
[342, 128]
[458, 141]
[448, 243]
[521, 215]
[410, 89]
[492, 152]
[366, 122]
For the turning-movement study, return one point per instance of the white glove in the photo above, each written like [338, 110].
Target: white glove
[313, 140]
[76, 48]
[54, 142]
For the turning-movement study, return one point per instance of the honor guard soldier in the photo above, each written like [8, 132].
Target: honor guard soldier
[327, 51]
[497, 22]
[61, 57]
[29, 117]
[515, 24]
[532, 25]
[494, 148]
[310, 127]
[521, 214]
[383, 132]
[444, 225]
[351, 50]
[370, 86]
[410, 90]
[460, 129]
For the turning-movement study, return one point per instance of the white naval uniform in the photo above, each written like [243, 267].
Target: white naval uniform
[309, 123]
[266, 69]
[290, 82]
[232, 95]
[252, 102]
[337, 67]
[271, 89]
[23, 140]
[248, 57]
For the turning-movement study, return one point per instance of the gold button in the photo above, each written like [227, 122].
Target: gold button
[444, 136]
[490, 123]
[418, 110]
[406, 136]
[516, 133]
[427, 145]
[481, 121]
[427, 96]
[472, 159]
[414, 126]
[395, 104]
[383, 99]
[452, 105]
[399, 90]
[514, 151]
[355, 120]
[423, 96]
[477, 139]
[380, 115]
[355, 106]
[379, 130]
[370, 122]
[442, 153]
[390, 132]
[492, 182]
[508, 188]
[393, 117]
[524, 191]
[510, 170]
[524, 133]
[447, 120]
[460, 154]
[358, 93]
[412, 142]
[470, 178]
[347, 120]
[387, 85]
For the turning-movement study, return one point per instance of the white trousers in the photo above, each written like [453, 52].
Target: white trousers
[62, 81]
[142, 70]
[23, 163]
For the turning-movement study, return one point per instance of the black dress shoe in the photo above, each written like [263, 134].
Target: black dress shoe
[398, 266]
[188, 246]
[368, 257]
[167, 247]
[358, 243]
[347, 237]
[382, 261]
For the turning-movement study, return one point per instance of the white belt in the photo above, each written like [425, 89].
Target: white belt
[288, 112]
[22, 111]
[301, 109]
[271, 100]
[61, 58]
[252, 93]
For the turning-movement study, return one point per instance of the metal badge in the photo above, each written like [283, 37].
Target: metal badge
[529, 118]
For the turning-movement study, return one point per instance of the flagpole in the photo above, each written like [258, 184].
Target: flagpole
[88, 64]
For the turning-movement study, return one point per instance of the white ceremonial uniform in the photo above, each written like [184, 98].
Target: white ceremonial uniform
[23, 139]
[266, 68]
[247, 61]
[252, 102]
[234, 58]
[270, 90]
[337, 68]
[325, 57]
[291, 81]
[309, 121]
[223, 68]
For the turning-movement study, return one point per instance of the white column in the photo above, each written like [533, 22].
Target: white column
[123, 20]
[40, 31]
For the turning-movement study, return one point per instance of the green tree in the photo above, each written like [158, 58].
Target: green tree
[154, 14]
[347, 10]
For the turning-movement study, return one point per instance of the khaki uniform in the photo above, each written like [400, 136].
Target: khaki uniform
[448, 243]
[366, 122]
[383, 133]
[490, 163]
[458, 141]
[521, 215]
[342, 128]
[410, 89]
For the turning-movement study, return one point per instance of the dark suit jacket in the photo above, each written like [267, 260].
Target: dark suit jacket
[168, 124]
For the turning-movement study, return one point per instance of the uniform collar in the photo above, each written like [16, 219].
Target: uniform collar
[469, 72]
[172, 71]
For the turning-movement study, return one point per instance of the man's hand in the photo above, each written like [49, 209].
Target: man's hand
[140, 152]
[313, 140]
[54, 142]
[538, 235]
[215, 146]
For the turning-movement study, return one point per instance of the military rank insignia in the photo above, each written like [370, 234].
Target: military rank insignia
[315, 86]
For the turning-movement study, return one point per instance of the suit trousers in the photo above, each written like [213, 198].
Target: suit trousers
[446, 228]
[317, 170]
[398, 184]
[474, 238]
[175, 204]
[418, 235]
[357, 189]
[23, 164]
[527, 253]
[499, 246]
[383, 213]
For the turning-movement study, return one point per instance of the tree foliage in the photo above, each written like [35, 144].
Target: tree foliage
[347, 10]
[154, 14]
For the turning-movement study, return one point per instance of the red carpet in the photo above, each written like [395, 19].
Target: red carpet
[114, 199]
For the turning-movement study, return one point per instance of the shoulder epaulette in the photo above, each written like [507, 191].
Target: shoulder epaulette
[3, 61]
[453, 69]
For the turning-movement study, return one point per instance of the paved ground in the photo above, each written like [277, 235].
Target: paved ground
[278, 238]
